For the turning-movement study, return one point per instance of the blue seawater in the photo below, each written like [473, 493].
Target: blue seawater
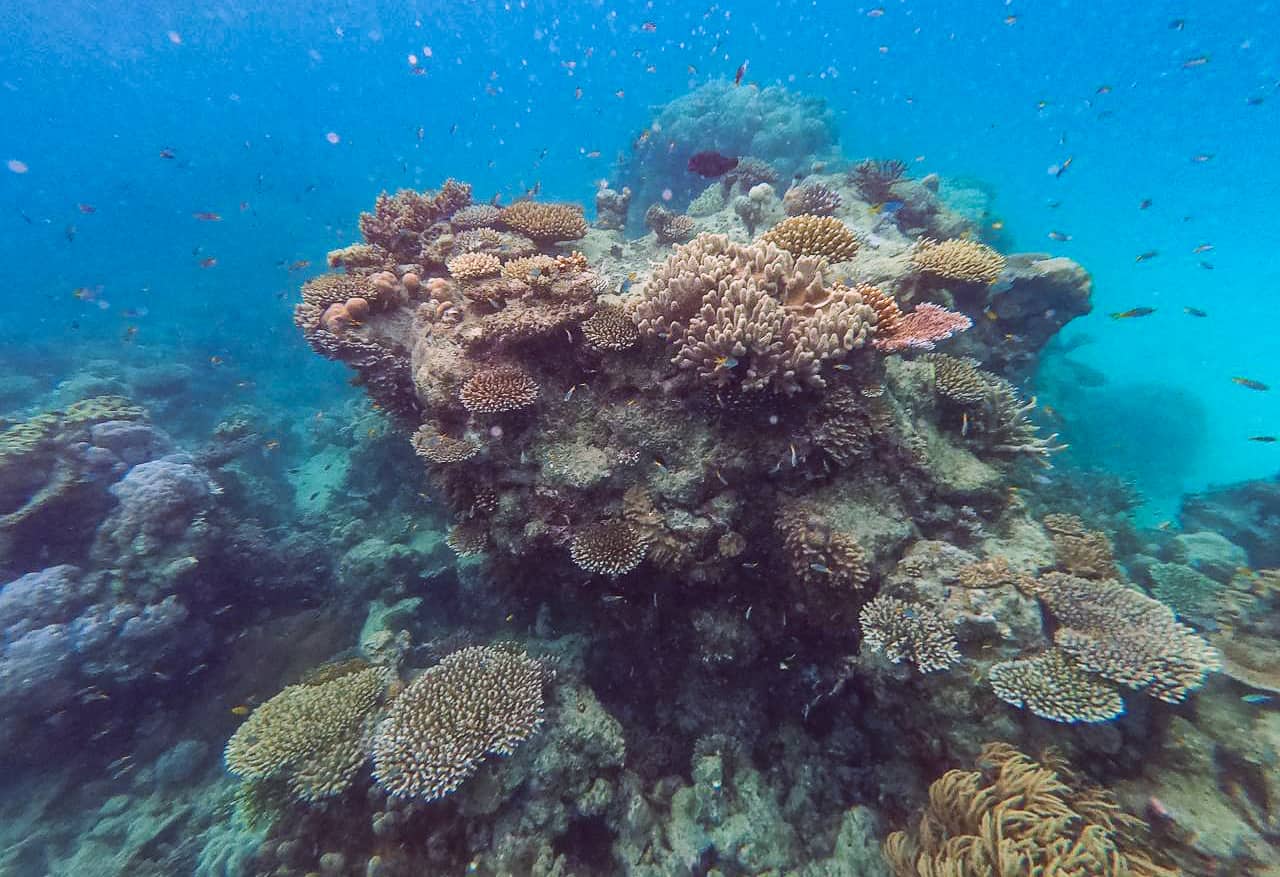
[176, 170]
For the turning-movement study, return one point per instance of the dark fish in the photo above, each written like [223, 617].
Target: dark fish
[742, 71]
[711, 164]
[69, 233]
[167, 153]
[1133, 312]
[1254, 101]
[1194, 312]
[1265, 439]
[313, 496]
[1148, 255]
[1208, 266]
[1146, 202]
[87, 208]
[1177, 24]
[1203, 248]
[1062, 168]
[1250, 383]
[207, 216]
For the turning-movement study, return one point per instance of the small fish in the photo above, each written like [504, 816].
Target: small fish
[1133, 312]
[742, 71]
[209, 262]
[1197, 61]
[1146, 202]
[1147, 256]
[1103, 89]
[215, 360]
[997, 225]
[1177, 24]
[1060, 169]
[87, 208]
[300, 264]
[820, 568]
[1208, 266]
[648, 27]
[69, 233]
[1256, 699]
[1194, 312]
[1263, 439]
[1203, 248]
[1202, 157]
[1011, 20]
[271, 445]
[168, 153]
[875, 13]
[313, 496]
[1059, 236]
[240, 710]
[129, 333]
[1250, 384]
[206, 216]
[1254, 101]
[620, 93]
[726, 362]
[843, 367]
[577, 93]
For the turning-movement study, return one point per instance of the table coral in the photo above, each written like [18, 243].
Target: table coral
[1052, 686]
[500, 389]
[478, 701]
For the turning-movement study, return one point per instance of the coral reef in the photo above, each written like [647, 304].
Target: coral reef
[668, 227]
[611, 208]
[807, 235]
[543, 222]
[874, 179]
[962, 260]
[815, 199]
[900, 630]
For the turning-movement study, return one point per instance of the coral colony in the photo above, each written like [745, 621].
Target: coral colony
[752, 575]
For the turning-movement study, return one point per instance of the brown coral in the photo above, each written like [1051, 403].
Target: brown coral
[874, 179]
[1052, 686]
[752, 316]
[808, 235]
[504, 388]
[815, 199]
[1078, 550]
[398, 220]
[478, 701]
[958, 379]
[430, 444]
[888, 314]
[545, 222]
[311, 734]
[473, 266]
[1016, 816]
[818, 554]
[475, 216]
[503, 244]
[468, 539]
[902, 630]
[611, 548]
[610, 329]
[537, 271]
[668, 227]
[957, 259]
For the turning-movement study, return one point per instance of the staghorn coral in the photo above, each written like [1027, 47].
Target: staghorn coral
[478, 701]
[1052, 686]
[500, 389]
[808, 235]
[900, 630]
[611, 548]
[668, 227]
[1017, 816]
[1078, 550]
[1125, 636]
[431, 444]
[816, 553]
[473, 266]
[815, 199]
[874, 179]
[957, 259]
[311, 734]
[921, 329]
[610, 329]
[545, 223]
[475, 216]
[753, 316]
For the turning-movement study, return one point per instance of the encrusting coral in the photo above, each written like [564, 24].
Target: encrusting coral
[963, 260]
[478, 701]
[902, 630]
[311, 734]
[1016, 816]
[808, 235]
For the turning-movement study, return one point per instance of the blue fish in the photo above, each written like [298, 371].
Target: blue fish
[892, 207]
[1256, 699]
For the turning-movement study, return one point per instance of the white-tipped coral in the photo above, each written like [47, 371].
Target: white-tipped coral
[478, 701]
[497, 390]
[610, 548]
[901, 630]
[1051, 686]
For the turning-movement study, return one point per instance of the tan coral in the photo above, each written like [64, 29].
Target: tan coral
[477, 702]
[431, 444]
[815, 199]
[360, 258]
[901, 630]
[957, 259]
[475, 216]
[545, 222]
[1016, 816]
[809, 235]
[397, 220]
[1052, 686]
[888, 314]
[310, 734]
[537, 271]
[1078, 550]
[500, 389]
[473, 266]
[958, 379]
[818, 554]
[611, 548]
[468, 539]
[610, 329]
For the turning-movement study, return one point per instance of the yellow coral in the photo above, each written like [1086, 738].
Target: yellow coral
[809, 235]
[956, 259]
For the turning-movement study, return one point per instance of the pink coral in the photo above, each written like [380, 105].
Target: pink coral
[927, 324]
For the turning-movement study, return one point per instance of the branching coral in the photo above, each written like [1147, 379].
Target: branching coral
[545, 222]
[503, 244]
[808, 235]
[610, 329]
[1078, 550]
[431, 444]
[816, 553]
[921, 329]
[610, 548]
[1052, 686]
[1125, 636]
[815, 199]
[475, 216]
[312, 734]
[957, 259]
[478, 701]
[902, 630]
[959, 380]
[398, 220]
[666, 226]
[495, 390]
[473, 266]
[874, 179]
[750, 316]
[1017, 816]
[993, 414]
